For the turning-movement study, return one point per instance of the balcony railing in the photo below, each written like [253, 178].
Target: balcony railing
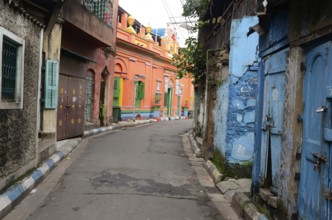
[103, 9]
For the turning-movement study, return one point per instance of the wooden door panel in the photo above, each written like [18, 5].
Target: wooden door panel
[314, 180]
[62, 108]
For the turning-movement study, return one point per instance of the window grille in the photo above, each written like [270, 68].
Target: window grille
[9, 71]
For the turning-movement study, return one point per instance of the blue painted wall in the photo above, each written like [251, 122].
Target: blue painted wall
[129, 116]
[236, 97]
[258, 125]
[276, 35]
[241, 116]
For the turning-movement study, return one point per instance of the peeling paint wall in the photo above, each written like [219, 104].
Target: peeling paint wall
[241, 117]
[18, 132]
[221, 110]
[236, 97]
[292, 134]
[198, 111]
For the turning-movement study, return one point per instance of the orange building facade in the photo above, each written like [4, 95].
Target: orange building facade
[145, 84]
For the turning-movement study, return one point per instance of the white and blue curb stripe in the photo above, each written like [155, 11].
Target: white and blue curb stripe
[97, 131]
[19, 190]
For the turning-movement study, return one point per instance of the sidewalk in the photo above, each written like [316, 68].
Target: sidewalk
[232, 201]
[12, 196]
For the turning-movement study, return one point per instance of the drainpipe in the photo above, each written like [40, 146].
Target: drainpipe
[206, 91]
[39, 85]
[135, 80]
[134, 118]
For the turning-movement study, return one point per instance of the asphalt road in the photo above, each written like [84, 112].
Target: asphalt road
[139, 173]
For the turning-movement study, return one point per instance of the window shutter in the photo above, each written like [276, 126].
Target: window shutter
[141, 90]
[51, 84]
[116, 93]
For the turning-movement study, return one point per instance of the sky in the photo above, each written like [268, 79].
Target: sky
[157, 13]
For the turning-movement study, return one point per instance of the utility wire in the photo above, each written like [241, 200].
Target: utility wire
[185, 17]
[170, 16]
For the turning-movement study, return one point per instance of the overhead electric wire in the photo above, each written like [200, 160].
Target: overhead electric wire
[170, 16]
[185, 17]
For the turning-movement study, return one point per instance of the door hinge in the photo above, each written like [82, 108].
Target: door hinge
[297, 176]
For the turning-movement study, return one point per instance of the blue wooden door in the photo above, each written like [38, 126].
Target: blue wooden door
[314, 201]
[273, 108]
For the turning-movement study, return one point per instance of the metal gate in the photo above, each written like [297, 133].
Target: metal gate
[273, 108]
[71, 105]
[315, 192]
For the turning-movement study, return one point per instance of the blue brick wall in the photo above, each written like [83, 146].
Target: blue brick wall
[236, 97]
[241, 117]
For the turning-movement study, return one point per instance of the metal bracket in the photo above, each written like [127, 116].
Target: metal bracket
[321, 108]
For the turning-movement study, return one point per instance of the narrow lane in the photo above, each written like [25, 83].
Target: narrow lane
[136, 173]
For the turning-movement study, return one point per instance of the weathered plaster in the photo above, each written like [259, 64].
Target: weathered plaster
[292, 130]
[235, 101]
[18, 133]
[221, 110]
[51, 48]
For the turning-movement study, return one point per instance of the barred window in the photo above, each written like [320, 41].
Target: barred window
[11, 71]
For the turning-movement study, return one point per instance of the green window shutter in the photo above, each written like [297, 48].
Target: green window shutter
[137, 89]
[116, 93]
[141, 90]
[51, 84]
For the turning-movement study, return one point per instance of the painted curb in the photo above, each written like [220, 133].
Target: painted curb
[96, 131]
[17, 192]
[213, 171]
[245, 208]
[10, 198]
[194, 146]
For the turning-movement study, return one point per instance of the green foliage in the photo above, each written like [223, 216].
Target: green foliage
[195, 8]
[191, 60]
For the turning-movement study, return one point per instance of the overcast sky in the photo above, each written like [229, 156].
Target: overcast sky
[157, 13]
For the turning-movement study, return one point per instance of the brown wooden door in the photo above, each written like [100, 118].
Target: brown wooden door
[62, 107]
[71, 107]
